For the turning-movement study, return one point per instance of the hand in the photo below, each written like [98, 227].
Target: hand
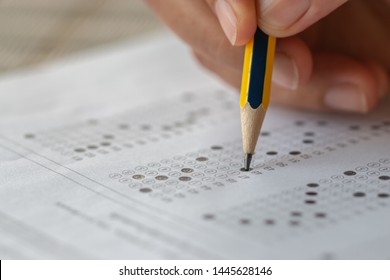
[331, 55]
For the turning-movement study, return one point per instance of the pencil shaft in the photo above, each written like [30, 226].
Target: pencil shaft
[255, 89]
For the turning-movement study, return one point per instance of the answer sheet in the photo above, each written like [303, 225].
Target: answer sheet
[135, 153]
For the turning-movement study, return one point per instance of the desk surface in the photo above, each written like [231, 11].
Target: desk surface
[36, 31]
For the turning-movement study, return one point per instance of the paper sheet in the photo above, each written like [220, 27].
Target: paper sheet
[135, 152]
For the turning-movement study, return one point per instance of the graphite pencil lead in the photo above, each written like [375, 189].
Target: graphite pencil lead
[247, 161]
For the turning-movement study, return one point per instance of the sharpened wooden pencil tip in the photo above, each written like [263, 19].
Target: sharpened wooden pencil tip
[247, 161]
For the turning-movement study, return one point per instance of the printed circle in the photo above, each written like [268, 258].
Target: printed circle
[311, 193]
[359, 194]
[310, 201]
[216, 147]
[161, 177]
[308, 141]
[245, 221]
[209, 216]
[296, 214]
[185, 178]
[187, 170]
[320, 215]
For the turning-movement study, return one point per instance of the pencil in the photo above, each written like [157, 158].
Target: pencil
[255, 90]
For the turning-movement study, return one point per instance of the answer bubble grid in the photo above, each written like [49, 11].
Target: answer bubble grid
[285, 214]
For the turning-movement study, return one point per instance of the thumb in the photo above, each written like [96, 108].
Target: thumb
[283, 18]
[237, 19]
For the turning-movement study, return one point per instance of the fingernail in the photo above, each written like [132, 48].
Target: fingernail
[282, 14]
[285, 72]
[346, 97]
[227, 19]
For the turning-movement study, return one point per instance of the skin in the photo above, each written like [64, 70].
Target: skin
[330, 55]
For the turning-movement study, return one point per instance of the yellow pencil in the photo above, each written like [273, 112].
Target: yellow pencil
[255, 90]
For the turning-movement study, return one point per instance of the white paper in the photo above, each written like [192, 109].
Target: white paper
[135, 153]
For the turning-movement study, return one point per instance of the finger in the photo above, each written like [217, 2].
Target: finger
[381, 77]
[197, 25]
[237, 18]
[337, 83]
[283, 18]
[229, 75]
[293, 63]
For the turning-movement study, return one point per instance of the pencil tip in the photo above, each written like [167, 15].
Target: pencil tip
[247, 161]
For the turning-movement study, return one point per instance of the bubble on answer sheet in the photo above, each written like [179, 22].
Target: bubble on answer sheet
[209, 216]
[245, 221]
[354, 127]
[320, 215]
[185, 178]
[294, 223]
[307, 141]
[322, 123]
[145, 127]
[123, 126]
[269, 222]
[309, 133]
[310, 201]
[311, 193]
[296, 214]
[145, 190]
[359, 194]
[265, 133]
[187, 170]
[216, 147]
[92, 147]
[242, 169]
[108, 136]
[161, 177]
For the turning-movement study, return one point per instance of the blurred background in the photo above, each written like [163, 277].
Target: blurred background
[37, 31]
